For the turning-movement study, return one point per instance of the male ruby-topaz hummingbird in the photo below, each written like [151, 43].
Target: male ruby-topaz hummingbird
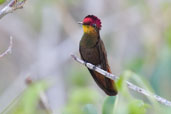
[92, 50]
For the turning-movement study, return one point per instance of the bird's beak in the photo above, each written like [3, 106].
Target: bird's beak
[80, 23]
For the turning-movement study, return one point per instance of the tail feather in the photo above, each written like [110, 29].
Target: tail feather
[104, 83]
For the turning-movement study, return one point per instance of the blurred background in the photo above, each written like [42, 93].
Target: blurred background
[136, 33]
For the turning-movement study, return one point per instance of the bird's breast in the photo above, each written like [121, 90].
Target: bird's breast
[90, 55]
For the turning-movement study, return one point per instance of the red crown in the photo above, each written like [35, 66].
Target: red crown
[91, 19]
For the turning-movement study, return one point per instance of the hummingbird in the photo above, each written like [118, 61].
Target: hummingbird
[92, 50]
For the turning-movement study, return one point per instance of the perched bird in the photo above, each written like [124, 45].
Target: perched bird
[92, 50]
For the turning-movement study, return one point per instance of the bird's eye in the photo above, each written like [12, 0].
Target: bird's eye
[94, 25]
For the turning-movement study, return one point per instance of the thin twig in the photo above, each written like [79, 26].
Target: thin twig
[43, 98]
[12, 6]
[9, 50]
[129, 84]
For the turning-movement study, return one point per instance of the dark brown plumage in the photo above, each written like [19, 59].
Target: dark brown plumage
[92, 50]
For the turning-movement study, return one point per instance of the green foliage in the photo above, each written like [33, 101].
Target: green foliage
[83, 100]
[89, 109]
[126, 103]
[168, 36]
[161, 73]
[130, 102]
[83, 96]
[2, 1]
[80, 78]
[108, 105]
[78, 100]
[28, 102]
[137, 107]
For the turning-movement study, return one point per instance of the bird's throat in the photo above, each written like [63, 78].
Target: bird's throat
[89, 39]
[89, 29]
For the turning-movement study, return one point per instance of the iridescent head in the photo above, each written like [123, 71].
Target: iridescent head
[91, 23]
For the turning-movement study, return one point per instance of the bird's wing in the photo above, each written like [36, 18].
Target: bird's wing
[104, 83]
[110, 84]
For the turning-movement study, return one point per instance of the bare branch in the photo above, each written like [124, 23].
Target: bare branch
[9, 50]
[12, 6]
[129, 84]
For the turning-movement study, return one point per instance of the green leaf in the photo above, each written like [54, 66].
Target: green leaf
[108, 105]
[89, 109]
[122, 85]
[137, 107]
[126, 102]
[2, 1]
